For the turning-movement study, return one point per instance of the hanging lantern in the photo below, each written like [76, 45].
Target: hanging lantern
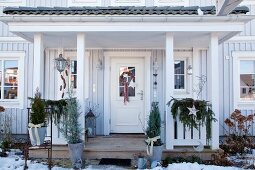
[90, 124]
[60, 63]
[189, 70]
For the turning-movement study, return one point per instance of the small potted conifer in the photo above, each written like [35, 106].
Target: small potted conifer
[154, 143]
[37, 124]
[71, 130]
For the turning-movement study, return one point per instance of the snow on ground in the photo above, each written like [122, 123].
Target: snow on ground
[10, 163]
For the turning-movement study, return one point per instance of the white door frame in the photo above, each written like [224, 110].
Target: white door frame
[147, 83]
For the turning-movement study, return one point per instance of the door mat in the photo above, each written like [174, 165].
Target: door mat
[113, 161]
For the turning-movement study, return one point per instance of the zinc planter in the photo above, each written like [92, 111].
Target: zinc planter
[75, 152]
[157, 153]
[37, 135]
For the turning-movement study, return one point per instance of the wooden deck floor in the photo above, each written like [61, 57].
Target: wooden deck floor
[117, 143]
[117, 146]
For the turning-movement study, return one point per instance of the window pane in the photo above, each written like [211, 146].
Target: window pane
[247, 80]
[127, 75]
[11, 73]
[247, 93]
[247, 67]
[73, 67]
[1, 74]
[179, 81]
[10, 92]
[74, 81]
[179, 67]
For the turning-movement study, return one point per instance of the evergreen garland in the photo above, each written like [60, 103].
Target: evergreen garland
[38, 114]
[154, 123]
[57, 107]
[204, 116]
[71, 128]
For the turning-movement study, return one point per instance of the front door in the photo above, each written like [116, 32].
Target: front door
[127, 95]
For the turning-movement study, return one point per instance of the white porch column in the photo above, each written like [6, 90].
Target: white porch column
[38, 70]
[213, 86]
[169, 88]
[196, 72]
[82, 76]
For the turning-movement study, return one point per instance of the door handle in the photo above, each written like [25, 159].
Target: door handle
[141, 94]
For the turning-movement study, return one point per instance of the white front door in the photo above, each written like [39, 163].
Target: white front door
[127, 95]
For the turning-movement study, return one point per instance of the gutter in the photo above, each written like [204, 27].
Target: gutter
[57, 18]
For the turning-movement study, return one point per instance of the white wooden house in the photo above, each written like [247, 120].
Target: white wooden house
[101, 42]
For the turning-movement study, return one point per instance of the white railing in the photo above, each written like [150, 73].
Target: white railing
[185, 136]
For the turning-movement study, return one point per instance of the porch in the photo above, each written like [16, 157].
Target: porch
[120, 146]
[89, 40]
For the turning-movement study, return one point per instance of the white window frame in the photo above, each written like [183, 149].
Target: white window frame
[127, 3]
[187, 58]
[171, 2]
[84, 3]
[12, 2]
[20, 57]
[237, 57]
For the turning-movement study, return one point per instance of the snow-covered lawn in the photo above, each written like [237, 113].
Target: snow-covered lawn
[10, 163]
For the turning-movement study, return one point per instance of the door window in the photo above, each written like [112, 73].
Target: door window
[127, 81]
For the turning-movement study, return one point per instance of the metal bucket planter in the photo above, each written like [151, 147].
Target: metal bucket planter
[157, 153]
[37, 135]
[76, 152]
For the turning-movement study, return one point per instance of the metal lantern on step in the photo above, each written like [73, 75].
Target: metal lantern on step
[90, 124]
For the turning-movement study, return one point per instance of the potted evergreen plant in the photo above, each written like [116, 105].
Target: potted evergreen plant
[71, 129]
[37, 124]
[154, 143]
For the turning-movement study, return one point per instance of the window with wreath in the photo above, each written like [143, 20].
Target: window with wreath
[9, 82]
[247, 79]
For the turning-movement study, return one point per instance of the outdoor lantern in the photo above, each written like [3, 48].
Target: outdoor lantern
[90, 124]
[61, 63]
[189, 70]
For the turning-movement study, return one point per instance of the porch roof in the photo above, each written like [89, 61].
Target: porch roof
[119, 10]
[141, 27]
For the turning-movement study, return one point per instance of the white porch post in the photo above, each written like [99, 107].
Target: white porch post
[196, 70]
[82, 78]
[169, 88]
[213, 83]
[38, 76]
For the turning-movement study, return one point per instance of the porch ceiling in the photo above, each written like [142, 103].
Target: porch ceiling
[126, 39]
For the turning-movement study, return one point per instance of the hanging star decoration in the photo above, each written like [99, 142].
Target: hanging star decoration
[193, 110]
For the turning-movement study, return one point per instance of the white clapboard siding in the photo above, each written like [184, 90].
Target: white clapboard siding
[226, 84]
[16, 118]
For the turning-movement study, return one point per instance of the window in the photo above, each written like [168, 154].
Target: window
[84, 2]
[128, 3]
[247, 82]
[171, 2]
[12, 2]
[11, 78]
[243, 72]
[127, 80]
[73, 74]
[179, 74]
